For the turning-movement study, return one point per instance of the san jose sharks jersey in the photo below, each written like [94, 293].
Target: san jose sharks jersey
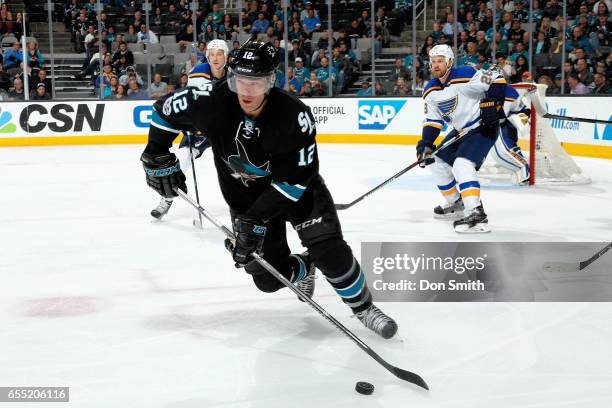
[263, 165]
[456, 102]
[201, 76]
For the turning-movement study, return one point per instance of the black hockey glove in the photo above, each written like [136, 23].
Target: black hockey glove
[424, 151]
[163, 173]
[250, 233]
[489, 116]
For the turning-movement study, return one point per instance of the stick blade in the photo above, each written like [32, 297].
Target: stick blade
[340, 207]
[410, 377]
[561, 267]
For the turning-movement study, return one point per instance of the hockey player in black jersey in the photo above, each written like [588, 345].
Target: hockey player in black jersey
[265, 153]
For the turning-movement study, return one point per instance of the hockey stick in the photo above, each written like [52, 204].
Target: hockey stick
[571, 118]
[399, 173]
[575, 266]
[195, 180]
[398, 372]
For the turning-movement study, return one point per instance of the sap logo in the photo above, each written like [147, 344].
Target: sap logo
[35, 118]
[378, 114]
[142, 116]
[601, 132]
[5, 122]
[308, 223]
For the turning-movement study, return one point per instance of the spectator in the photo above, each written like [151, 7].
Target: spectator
[120, 92]
[379, 89]
[103, 80]
[401, 88]
[13, 57]
[601, 85]
[552, 9]
[398, 70]
[449, 26]
[542, 45]
[260, 25]
[577, 87]
[16, 93]
[185, 38]
[135, 91]
[365, 90]
[182, 81]
[295, 84]
[356, 31]
[129, 75]
[316, 86]
[519, 49]
[172, 17]
[295, 31]
[5, 80]
[482, 46]
[578, 40]
[471, 57]
[131, 36]
[584, 75]
[311, 23]
[516, 33]
[41, 78]
[146, 36]
[296, 52]
[123, 51]
[301, 72]
[216, 14]
[520, 68]
[34, 56]
[545, 27]
[40, 93]
[158, 88]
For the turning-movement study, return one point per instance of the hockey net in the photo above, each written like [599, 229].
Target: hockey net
[548, 160]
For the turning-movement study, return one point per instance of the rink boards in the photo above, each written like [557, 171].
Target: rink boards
[339, 120]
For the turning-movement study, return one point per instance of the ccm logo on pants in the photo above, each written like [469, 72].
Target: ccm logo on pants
[308, 223]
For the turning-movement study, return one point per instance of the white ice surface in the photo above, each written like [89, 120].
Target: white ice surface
[133, 313]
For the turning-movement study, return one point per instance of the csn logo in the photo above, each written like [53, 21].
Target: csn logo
[378, 114]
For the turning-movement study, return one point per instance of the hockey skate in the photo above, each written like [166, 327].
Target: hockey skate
[305, 280]
[449, 210]
[162, 208]
[475, 222]
[374, 319]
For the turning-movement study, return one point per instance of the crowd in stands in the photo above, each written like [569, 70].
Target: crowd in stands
[11, 61]
[175, 40]
[585, 35]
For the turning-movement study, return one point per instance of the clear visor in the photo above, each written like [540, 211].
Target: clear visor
[245, 85]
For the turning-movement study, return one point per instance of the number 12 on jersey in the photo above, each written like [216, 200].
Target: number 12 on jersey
[306, 155]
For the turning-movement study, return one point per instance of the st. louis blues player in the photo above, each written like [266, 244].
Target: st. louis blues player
[471, 101]
[203, 76]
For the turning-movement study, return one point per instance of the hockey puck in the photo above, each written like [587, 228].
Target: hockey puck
[365, 388]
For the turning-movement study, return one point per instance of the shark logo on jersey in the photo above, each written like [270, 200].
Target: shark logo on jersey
[447, 107]
[241, 165]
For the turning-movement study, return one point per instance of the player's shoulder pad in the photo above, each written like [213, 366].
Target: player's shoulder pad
[461, 74]
[201, 70]
[433, 85]
[511, 93]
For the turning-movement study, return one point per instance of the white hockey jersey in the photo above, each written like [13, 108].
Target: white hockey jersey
[456, 103]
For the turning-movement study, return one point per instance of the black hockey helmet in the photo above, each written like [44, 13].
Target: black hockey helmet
[255, 61]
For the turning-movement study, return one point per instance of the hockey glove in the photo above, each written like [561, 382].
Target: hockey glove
[489, 116]
[163, 173]
[424, 151]
[250, 233]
